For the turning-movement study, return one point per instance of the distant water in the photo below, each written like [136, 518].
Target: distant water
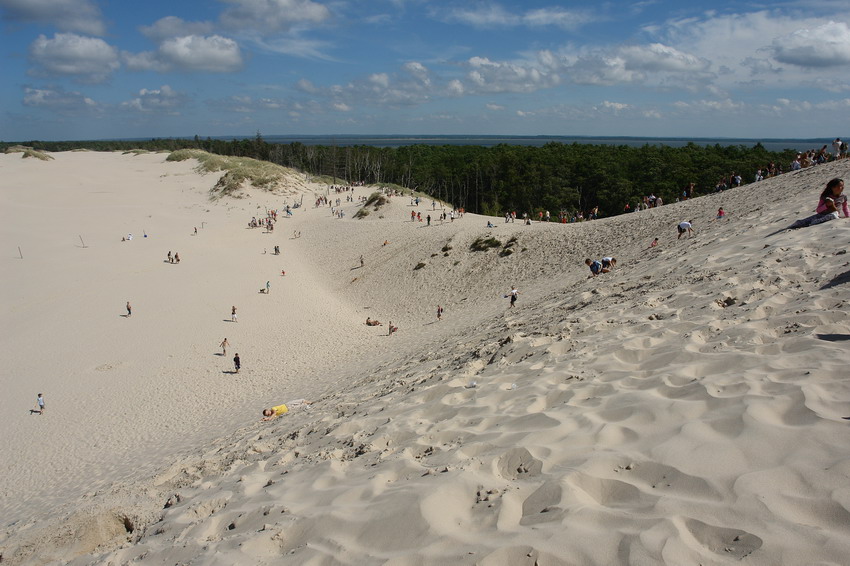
[770, 144]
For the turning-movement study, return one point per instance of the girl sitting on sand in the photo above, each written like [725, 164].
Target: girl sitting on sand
[830, 200]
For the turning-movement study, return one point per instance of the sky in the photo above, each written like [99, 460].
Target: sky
[103, 69]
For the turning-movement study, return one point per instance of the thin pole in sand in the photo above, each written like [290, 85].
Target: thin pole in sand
[84, 244]
[202, 225]
[20, 252]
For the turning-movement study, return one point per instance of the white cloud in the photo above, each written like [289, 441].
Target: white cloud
[342, 107]
[827, 45]
[199, 53]
[271, 16]
[306, 86]
[82, 16]
[615, 106]
[90, 59]
[172, 26]
[495, 107]
[381, 80]
[494, 15]
[214, 54]
[164, 99]
[499, 76]
[57, 99]
[657, 57]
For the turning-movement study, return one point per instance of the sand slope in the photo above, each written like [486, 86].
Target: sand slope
[685, 408]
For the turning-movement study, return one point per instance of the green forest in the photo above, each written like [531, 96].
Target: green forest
[492, 180]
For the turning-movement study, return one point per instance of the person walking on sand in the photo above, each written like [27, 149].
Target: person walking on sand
[513, 295]
[169, 257]
[268, 287]
[233, 314]
[237, 363]
[439, 312]
[224, 344]
[39, 404]
[362, 262]
[129, 309]
[176, 257]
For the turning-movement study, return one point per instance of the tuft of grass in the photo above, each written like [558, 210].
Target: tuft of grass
[37, 154]
[484, 244]
[419, 265]
[377, 200]
[136, 152]
[362, 213]
[238, 170]
[508, 249]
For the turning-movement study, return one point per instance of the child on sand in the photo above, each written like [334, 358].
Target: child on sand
[224, 344]
[654, 243]
[595, 267]
[274, 412]
[237, 363]
[684, 227]
[233, 314]
[129, 309]
[39, 404]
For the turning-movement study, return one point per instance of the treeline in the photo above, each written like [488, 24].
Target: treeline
[492, 180]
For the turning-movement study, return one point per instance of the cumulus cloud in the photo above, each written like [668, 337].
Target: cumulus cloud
[214, 54]
[172, 26]
[164, 99]
[271, 16]
[58, 99]
[82, 16]
[500, 76]
[827, 45]
[495, 107]
[89, 59]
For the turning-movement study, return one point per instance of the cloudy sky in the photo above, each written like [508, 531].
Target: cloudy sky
[86, 69]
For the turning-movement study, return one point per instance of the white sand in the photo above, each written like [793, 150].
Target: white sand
[685, 408]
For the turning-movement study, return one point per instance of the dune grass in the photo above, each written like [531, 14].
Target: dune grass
[37, 154]
[237, 171]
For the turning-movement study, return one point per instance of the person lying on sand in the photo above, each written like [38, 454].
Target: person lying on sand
[274, 412]
[370, 322]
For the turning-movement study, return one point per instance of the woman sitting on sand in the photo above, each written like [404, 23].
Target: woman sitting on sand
[830, 200]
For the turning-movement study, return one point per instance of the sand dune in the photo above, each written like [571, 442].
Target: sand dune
[686, 408]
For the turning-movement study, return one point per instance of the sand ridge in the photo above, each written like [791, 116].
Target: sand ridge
[684, 408]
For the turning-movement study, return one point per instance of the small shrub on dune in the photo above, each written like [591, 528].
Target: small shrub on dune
[419, 265]
[377, 200]
[362, 213]
[37, 154]
[484, 244]
[135, 152]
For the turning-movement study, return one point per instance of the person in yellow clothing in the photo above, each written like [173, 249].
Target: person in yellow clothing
[274, 412]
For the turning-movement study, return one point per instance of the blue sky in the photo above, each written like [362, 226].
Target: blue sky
[85, 69]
